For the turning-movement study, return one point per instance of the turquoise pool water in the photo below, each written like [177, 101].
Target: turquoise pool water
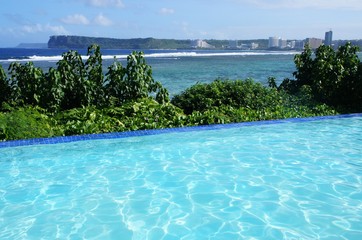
[292, 180]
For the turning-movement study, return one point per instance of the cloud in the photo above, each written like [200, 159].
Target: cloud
[32, 28]
[56, 29]
[75, 19]
[296, 4]
[16, 18]
[166, 11]
[102, 20]
[79, 19]
[105, 3]
[185, 29]
[39, 28]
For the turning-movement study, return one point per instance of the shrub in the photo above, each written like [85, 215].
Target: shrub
[237, 101]
[5, 89]
[333, 76]
[238, 93]
[27, 122]
[76, 83]
[93, 67]
[134, 81]
[26, 83]
[87, 120]
[147, 114]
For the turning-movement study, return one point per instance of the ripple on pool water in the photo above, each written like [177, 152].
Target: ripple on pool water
[291, 180]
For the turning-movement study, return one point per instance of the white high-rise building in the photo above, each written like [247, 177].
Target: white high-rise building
[273, 42]
[201, 44]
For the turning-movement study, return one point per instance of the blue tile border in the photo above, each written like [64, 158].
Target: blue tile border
[66, 139]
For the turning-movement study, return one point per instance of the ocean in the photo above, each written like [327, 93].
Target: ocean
[178, 69]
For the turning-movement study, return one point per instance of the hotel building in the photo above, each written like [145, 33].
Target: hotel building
[328, 38]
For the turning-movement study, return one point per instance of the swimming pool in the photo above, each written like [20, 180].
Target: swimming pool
[292, 179]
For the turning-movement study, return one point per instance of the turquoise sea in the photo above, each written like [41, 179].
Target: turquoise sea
[179, 69]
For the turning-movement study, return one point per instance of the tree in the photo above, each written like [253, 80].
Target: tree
[134, 81]
[95, 77]
[333, 76]
[53, 88]
[26, 83]
[304, 64]
[5, 89]
[325, 74]
[73, 81]
[349, 92]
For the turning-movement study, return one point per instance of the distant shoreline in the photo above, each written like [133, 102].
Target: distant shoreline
[63, 41]
[83, 42]
[32, 45]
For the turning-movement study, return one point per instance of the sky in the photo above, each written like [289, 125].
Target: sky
[34, 21]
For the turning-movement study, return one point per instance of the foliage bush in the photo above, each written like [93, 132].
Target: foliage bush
[27, 122]
[334, 77]
[5, 89]
[134, 81]
[225, 101]
[86, 120]
[30, 122]
[228, 114]
[142, 114]
[76, 83]
[239, 93]
[147, 113]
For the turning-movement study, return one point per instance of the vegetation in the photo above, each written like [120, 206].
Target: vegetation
[76, 83]
[333, 77]
[225, 101]
[77, 98]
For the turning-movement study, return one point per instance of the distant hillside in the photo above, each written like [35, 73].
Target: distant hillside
[147, 43]
[32, 45]
[112, 43]
[357, 42]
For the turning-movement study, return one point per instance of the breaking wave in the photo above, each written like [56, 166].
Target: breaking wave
[161, 55]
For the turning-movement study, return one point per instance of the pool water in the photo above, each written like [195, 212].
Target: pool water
[293, 180]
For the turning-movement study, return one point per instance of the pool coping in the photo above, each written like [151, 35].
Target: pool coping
[126, 134]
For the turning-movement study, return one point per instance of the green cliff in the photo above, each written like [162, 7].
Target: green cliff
[112, 43]
[78, 42]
